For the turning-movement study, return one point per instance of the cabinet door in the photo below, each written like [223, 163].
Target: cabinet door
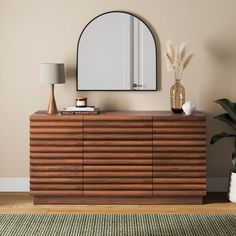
[179, 156]
[56, 155]
[117, 156]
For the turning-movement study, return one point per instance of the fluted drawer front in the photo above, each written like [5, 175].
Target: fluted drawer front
[183, 193]
[118, 174]
[117, 180]
[55, 174]
[53, 192]
[56, 124]
[124, 136]
[118, 156]
[56, 159]
[179, 180]
[179, 157]
[57, 180]
[54, 186]
[181, 186]
[117, 193]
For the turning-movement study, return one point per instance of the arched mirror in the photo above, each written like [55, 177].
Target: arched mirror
[116, 52]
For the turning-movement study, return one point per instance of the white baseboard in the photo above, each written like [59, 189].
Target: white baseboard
[14, 185]
[22, 184]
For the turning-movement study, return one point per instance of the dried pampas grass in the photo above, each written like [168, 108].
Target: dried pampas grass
[176, 59]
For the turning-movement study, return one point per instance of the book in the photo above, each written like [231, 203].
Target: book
[75, 109]
[95, 112]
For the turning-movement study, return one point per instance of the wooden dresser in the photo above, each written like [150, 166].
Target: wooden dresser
[118, 158]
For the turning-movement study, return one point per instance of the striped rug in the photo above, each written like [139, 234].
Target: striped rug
[117, 225]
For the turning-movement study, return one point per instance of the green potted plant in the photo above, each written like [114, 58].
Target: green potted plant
[229, 118]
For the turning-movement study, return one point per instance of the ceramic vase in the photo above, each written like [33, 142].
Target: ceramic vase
[232, 186]
[177, 97]
[189, 108]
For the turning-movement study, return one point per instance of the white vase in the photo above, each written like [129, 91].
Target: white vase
[189, 108]
[232, 187]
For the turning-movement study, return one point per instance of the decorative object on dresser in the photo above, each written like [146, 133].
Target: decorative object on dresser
[131, 157]
[88, 110]
[52, 73]
[230, 119]
[81, 101]
[121, 50]
[189, 108]
[177, 60]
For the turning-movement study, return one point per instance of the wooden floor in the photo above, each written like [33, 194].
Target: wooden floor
[23, 203]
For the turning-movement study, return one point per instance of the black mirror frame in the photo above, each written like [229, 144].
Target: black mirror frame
[77, 52]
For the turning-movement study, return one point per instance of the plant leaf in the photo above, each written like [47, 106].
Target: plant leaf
[227, 119]
[182, 51]
[220, 136]
[170, 50]
[229, 106]
[169, 62]
[234, 159]
[187, 60]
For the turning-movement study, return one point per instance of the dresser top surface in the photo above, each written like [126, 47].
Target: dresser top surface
[125, 113]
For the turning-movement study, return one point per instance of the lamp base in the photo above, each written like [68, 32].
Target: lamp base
[52, 106]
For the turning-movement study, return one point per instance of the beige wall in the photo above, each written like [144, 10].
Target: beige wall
[35, 31]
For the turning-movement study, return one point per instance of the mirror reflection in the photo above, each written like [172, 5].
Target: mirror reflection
[116, 51]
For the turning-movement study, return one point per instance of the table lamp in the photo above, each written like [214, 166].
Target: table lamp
[52, 73]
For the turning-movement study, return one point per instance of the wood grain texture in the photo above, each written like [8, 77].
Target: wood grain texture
[179, 162]
[158, 156]
[56, 130]
[106, 143]
[56, 136]
[56, 186]
[64, 192]
[181, 136]
[119, 174]
[117, 180]
[181, 192]
[55, 167]
[60, 149]
[176, 186]
[117, 168]
[120, 200]
[179, 155]
[179, 180]
[182, 124]
[114, 136]
[39, 162]
[178, 130]
[56, 155]
[114, 130]
[55, 174]
[179, 152]
[55, 124]
[122, 161]
[176, 174]
[118, 186]
[129, 123]
[118, 155]
[56, 180]
[64, 142]
[214, 203]
[56, 158]
[120, 158]
[123, 149]
[115, 193]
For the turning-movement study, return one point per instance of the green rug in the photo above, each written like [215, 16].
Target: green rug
[117, 225]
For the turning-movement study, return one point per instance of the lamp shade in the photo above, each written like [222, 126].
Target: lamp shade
[52, 73]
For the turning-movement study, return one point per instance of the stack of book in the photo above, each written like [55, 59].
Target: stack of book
[90, 110]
